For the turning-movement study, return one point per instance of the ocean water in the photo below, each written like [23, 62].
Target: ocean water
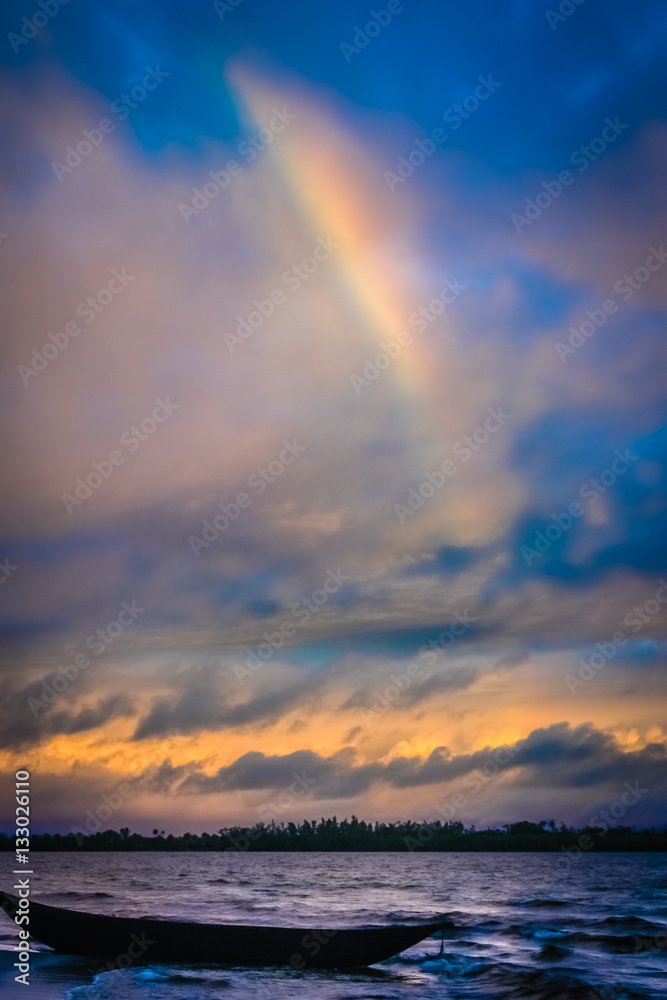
[529, 926]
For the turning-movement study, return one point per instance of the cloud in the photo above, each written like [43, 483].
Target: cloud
[458, 548]
[335, 504]
[420, 689]
[559, 756]
[202, 706]
[27, 719]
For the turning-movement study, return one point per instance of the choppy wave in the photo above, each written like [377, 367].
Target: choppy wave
[519, 927]
[73, 894]
[539, 902]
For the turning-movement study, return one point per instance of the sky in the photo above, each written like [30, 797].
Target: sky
[333, 396]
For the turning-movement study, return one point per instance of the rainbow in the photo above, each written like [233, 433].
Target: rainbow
[347, 205]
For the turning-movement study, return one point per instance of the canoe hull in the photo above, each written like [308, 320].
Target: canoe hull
[128, 941]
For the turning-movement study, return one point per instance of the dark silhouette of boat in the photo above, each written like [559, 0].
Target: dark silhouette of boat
[137, 940]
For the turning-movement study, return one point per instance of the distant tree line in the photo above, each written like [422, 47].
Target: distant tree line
[357, 835]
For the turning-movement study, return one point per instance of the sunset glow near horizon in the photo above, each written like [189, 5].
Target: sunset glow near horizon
[336, 413]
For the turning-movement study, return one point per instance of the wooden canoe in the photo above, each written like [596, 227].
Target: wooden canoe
[136, 940]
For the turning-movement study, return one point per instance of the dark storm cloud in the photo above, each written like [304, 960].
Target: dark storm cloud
[420, 688]
[558, 756]
[514, 659]
[430, 681]
[32, 714]
[201, 705]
